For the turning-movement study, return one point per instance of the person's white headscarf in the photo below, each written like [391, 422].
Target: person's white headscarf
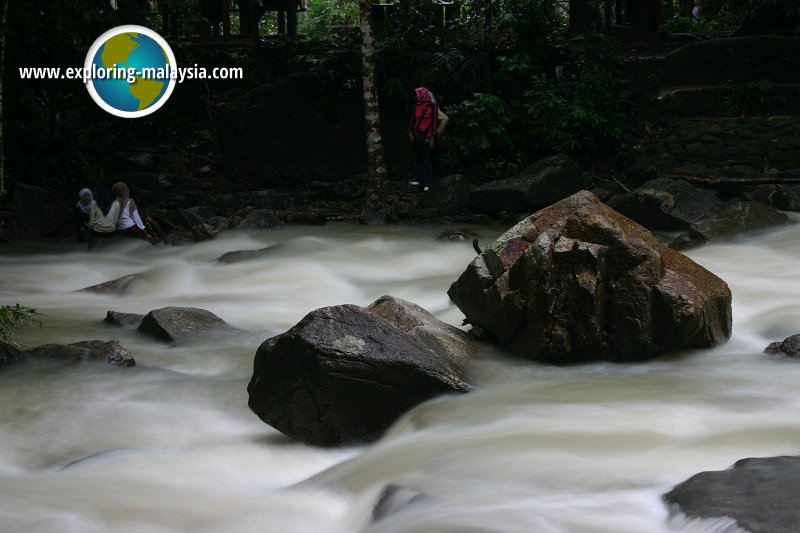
[87, 206]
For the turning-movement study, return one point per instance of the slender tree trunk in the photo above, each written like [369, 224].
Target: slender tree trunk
[3, 17]
[487, 20]
[376, 168]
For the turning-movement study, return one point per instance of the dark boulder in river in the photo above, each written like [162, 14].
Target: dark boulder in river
[759, 493]
[111, 352]
[343, 374]
[579, 282]
[119, 286]
[177, 324]
[789, 346]
[125, 320]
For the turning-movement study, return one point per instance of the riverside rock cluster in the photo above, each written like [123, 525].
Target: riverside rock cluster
[574, 282]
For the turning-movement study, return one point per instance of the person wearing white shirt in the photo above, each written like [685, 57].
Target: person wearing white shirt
[129, 222]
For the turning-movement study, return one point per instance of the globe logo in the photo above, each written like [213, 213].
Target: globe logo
[130, 71]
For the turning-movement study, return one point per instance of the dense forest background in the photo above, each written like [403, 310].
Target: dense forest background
[519, 79]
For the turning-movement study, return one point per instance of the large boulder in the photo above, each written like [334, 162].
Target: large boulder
[740, 217]
[667, 204]
[543, 183]
[343, 374]
[111, 352]
[759, 493]
[178, 324]
[579, 282]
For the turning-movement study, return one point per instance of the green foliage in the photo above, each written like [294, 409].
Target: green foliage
[530, 26]
[182, 16]
[743, 98]
[545, 112]
[483, 139]
[581, 114]
[337, 58]
[598, 94]
[506, 217]
[13, 315]
[325, 17]
[412, 51]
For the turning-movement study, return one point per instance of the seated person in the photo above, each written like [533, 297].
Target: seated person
[129, 222]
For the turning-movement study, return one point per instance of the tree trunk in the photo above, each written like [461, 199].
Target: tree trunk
[487, 20]
[3, 17]
[376, 169]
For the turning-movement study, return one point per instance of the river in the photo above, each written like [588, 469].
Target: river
[170, 445]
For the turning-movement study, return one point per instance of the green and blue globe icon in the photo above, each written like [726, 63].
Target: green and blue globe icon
[131, 71]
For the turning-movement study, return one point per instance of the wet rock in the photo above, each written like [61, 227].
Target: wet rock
[343, 374]
[579, 282]
[245, 255]
[310, 217]
[259, 219]
[740, 217]
[119, 286]
[759, 493]
[735, 219]
[451, 195]
[125, 320]
[111, 352]
[786, 198]
[371, 217]
[347, 189]
[177, 324]
[667, 204]
[688, 240]
[543, 183]
[9, 354]
[789, 346]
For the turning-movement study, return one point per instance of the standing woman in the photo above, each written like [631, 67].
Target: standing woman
[129, 223]
[421, 130]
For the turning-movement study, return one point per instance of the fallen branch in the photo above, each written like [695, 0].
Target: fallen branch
[707, 179]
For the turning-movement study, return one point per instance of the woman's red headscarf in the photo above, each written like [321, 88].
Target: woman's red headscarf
[424, 113]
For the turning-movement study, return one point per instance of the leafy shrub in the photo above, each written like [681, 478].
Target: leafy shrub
[582, 115]
[482, 139]
[11, 316]
[326, 16]
[743, 98]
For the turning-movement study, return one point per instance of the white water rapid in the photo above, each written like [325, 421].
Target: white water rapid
[170, 446]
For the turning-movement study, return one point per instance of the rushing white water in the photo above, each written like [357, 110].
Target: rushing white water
[170, 446]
